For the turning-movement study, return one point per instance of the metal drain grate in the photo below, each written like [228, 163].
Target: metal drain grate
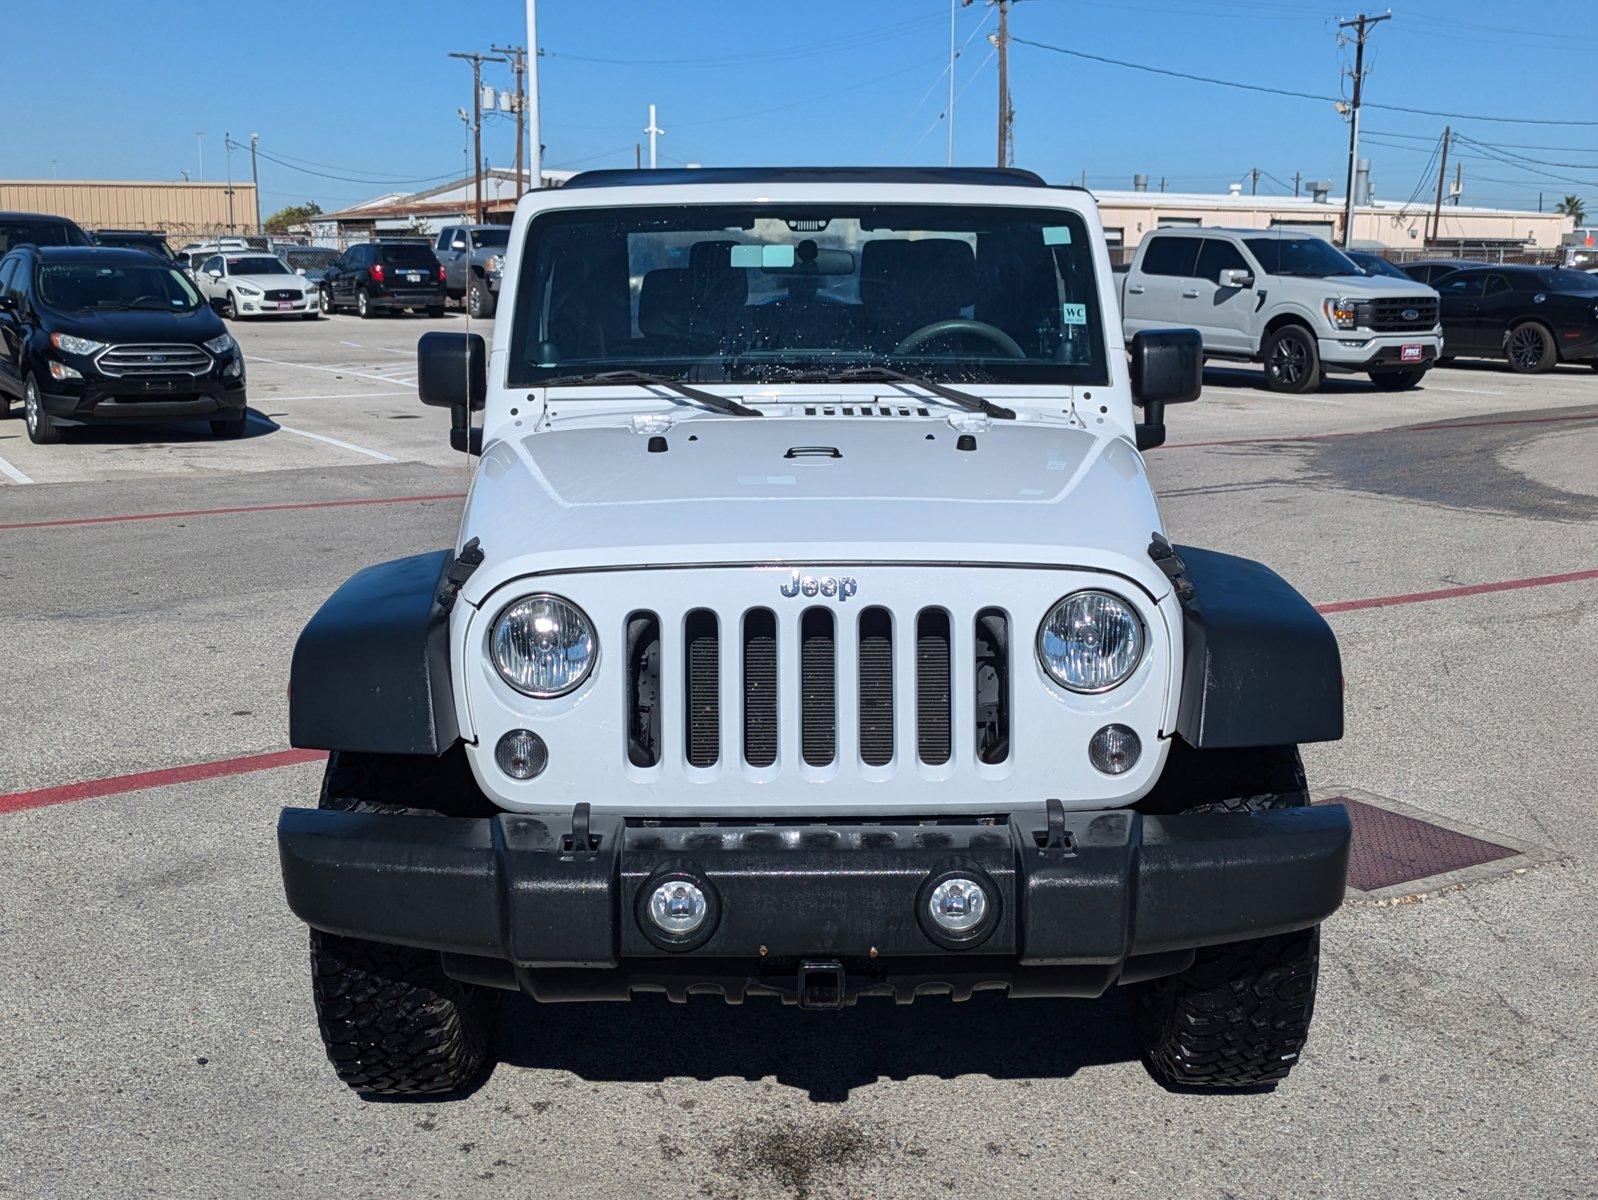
[1398, 850]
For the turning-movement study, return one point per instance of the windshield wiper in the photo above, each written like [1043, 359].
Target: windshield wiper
[644, 379]
[966, 400]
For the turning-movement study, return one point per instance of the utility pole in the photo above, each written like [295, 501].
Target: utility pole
[954, 6]
[1006, 110]
[638, 156]
[199, 137]
[653, 131]
[535, 141]
[518, 66]
[1442, 173]
[1362, 24]
[227, 152]
[255, 179]
[477, 61]
[1297, 175]
[1254, 188]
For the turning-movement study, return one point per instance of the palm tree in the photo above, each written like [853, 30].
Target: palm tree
[1573, 207]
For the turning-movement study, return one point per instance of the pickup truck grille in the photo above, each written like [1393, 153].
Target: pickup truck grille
[118, 361]
[1393, 314]
[862, 661]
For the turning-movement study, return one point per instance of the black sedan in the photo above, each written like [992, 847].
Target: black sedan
[1535, 317]
[1375, 264]
[95, 335]
[1433, 269]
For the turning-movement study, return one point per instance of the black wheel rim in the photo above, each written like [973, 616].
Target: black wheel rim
[1526, 347]
[1289, 360]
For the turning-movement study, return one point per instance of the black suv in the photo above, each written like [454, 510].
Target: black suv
[92, 335]
[37, 229]
[385, 276]
[1536, 317]
[135, 239]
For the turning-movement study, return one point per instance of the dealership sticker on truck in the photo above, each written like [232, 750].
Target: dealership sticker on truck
[1074, 314]
[1410, 354]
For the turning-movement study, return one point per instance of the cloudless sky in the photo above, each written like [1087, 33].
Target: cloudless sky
[115, 89]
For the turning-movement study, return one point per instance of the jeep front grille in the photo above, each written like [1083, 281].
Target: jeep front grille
[136, 360]
[876, 655]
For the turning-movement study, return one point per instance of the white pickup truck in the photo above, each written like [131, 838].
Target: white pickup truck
[1289, 300]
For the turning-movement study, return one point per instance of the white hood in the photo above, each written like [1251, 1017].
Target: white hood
[274, 283]
[772, 490]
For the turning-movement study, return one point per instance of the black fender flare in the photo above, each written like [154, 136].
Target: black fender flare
[1260, 666]
[371, 669]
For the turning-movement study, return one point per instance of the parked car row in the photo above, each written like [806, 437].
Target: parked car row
[1300, 307]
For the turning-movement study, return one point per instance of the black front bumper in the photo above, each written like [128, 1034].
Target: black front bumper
[104, 399]
[517, 901]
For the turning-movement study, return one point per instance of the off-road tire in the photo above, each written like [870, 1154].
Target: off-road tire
[42, 429]
[1531, 349]
[1237, 1018]
[1292, 360]
[392, 1022]
[1397, 381]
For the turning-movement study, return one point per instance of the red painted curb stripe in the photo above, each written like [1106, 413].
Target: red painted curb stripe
[238, 508]
[1436, 427]
[1471, 589]
[117, 784]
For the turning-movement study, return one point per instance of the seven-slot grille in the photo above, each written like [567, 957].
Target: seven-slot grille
[1388, 314]
[154, 360]
[865, 664]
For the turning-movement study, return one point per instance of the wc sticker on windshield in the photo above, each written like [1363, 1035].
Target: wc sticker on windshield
[755, 257]
[1074, 314]
[1056, 235]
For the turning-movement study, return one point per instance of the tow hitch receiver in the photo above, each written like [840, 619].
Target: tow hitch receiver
[821, 983]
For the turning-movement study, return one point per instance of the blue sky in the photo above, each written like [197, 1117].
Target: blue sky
[364, 90]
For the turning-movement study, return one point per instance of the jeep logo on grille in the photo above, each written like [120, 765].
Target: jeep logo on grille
[832, 586]
[1410, 314]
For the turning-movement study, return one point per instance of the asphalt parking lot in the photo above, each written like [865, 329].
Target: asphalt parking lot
[159, 1032]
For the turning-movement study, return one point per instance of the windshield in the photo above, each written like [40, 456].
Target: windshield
[1562, 279]
[1375, 264]
[491, 239]
[75, 287]
[1307, 256]
[24, 232]
[259, 264]
[772, 292]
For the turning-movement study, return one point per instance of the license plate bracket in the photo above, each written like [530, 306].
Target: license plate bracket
[1411, 353]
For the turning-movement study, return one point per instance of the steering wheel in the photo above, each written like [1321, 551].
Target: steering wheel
[979, 329]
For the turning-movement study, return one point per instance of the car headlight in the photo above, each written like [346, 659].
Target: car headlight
[1340, 313]
[221, 345]
[543, 646]
[1091, 642]
[68, 344]
[246, 290]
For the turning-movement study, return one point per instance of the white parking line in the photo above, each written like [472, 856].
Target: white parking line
[381, 349]
[277, 362]
[1436, 387]
[12, 473]
[322, 437]
[340, 395]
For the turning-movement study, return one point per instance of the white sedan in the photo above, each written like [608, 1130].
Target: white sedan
[256, 284]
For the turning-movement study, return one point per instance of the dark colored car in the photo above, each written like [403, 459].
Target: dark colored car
[135, 239]
[37, 229]
[1375, 264]
[1434, 269]
[379, 277]
[90, 335]
[1536, 317]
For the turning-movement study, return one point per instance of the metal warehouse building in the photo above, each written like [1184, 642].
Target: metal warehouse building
[185, 208]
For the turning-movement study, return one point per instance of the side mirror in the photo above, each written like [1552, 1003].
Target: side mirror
[299, 270]
[1237, 277]
[458, 244]
[1167, 368]
[453, 373]
[214, 273]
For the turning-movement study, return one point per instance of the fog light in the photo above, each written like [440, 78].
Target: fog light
[1115, 749]
[521, 754]
[62, 371]
[678, 907]
[958, 905]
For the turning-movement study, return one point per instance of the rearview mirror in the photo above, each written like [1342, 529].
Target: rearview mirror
[453, 374]
[1167, 368]
[1237, 277]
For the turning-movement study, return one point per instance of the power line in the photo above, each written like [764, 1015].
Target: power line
[863, 37]
[1297, 95]
[379, 182]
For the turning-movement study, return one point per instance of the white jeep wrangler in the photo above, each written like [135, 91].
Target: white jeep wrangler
[812, 633]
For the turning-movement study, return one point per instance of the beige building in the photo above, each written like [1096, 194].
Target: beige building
[1381, 225]
[178, 208]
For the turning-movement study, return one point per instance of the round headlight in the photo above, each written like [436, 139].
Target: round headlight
[1090, 642]
[543, 646]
